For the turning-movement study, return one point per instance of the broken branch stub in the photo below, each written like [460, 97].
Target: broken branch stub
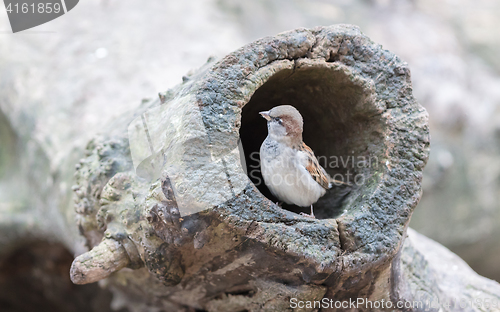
[178, 182]
[107, 257]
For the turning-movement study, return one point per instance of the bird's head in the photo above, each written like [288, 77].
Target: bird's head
[284, 123]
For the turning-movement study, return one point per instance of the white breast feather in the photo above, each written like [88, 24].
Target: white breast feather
[286, 176]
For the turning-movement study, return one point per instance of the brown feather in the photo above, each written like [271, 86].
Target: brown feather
[313, 167]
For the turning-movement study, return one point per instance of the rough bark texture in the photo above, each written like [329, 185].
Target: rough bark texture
[164, 190]
[216, 233]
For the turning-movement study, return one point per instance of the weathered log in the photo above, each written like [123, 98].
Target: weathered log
[171, 205]
[182, 197]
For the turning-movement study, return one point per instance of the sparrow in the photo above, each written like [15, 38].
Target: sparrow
[289, 167]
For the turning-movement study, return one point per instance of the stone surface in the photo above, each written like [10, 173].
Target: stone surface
[441, 281]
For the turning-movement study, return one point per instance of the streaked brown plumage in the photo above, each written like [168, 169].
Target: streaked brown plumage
[290, 169]
[317, 172]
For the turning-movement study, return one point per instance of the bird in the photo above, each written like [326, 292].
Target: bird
[289, 167]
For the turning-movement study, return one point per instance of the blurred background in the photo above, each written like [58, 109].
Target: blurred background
[67, 78]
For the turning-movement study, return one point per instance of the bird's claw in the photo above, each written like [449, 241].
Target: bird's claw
[307, 215]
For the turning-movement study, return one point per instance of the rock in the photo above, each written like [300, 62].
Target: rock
[438, 278]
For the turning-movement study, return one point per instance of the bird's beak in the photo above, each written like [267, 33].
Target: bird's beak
[265, 115]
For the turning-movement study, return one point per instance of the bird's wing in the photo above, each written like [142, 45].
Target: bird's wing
[313, 167]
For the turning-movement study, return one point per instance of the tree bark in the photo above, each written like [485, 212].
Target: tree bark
[172, 191]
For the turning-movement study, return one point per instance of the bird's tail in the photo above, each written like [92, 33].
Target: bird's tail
[334, 181]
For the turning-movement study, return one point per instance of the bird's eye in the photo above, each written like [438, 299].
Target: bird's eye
[277, 119]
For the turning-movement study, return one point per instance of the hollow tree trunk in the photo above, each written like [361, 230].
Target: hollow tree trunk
[172, 207]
